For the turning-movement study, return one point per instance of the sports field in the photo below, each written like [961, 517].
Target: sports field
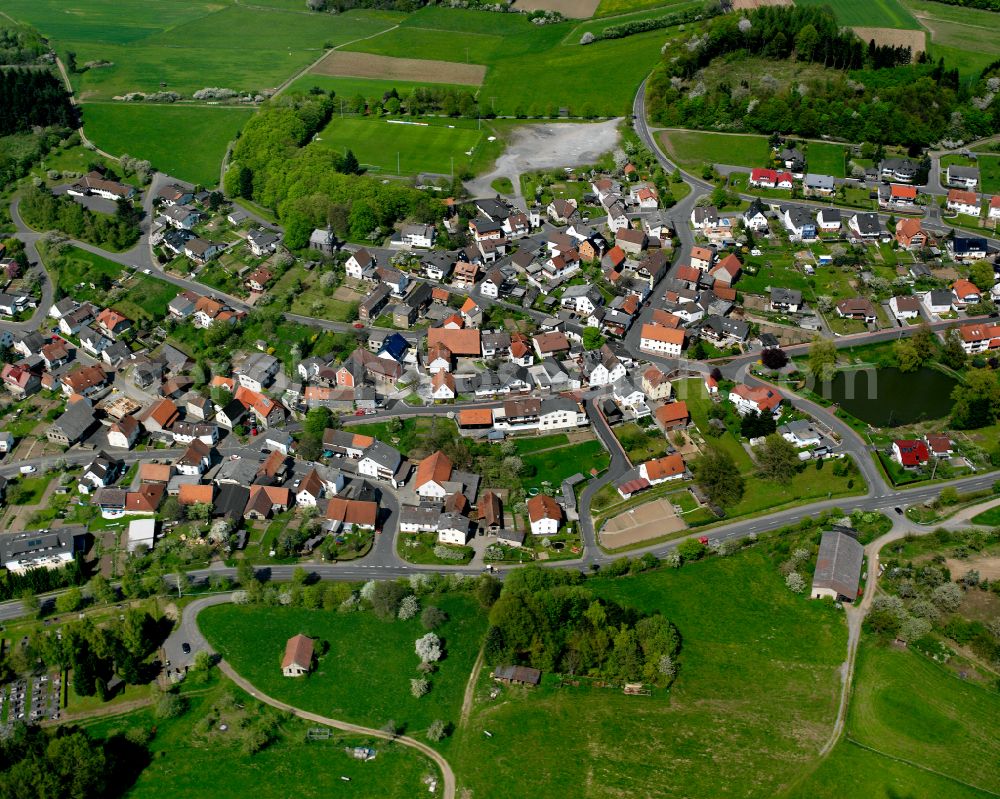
[870, 13]
[691, 149]
[187, 142]
[421, 148]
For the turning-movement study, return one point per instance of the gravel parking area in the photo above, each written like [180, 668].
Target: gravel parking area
[547, 146]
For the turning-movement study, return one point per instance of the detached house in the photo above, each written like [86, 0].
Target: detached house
[964, 202]
[760, 399]
[965, 177]
[602, 367]
[860, 308]
[544, 514]
[562, 212]
[910, 234]
[359, 264]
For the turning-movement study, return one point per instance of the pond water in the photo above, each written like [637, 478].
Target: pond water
[887, 397]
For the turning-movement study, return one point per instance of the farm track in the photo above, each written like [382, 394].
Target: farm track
[319, 60]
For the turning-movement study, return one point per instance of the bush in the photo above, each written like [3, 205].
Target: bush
[419, 687]
[433, 617]
[170, 706]
[691, 549]
[437, 730]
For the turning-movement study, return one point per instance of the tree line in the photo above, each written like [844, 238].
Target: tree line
[314, 186]
[45, 211]
[33, 98]
[551, 621]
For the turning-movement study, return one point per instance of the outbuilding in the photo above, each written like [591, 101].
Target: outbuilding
[298, 656]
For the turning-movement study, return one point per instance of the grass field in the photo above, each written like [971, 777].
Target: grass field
[851, 770]
[609, 8]
[826, 159]
[186, 142]
[755, 697]
[143, 297]
[990, 517]
[535, 443]
[187, 44]
[185, 762]
[869, 13]
[438, 146]
[555, 465]
[965, 37]
[692, 149]
[526, 63]
[365, 676]
[907, 706]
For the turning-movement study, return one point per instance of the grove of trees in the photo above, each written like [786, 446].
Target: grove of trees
[549, 620]
[314, 186]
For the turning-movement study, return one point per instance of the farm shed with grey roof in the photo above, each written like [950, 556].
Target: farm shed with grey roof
[838, 567]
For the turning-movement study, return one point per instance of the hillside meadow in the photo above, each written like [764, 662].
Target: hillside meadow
[187, 142]
[754, 699]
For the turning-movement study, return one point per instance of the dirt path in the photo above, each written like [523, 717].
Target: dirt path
[470, 688]
[856, 613]
[111, 710]
[323, 55]
[447, 773]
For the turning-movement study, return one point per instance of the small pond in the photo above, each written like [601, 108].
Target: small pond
[887, 397]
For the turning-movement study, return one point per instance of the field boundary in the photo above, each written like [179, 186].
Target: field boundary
[915, 765]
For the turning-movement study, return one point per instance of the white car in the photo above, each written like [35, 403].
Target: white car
[147, 271]
[29, 469]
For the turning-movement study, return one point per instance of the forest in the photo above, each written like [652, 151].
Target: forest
[44, 211]
[551, 621]
[870, 93]
[33, 98]
[310, 187]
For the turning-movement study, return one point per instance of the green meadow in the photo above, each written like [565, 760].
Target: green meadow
[692, 149]
[869, 13]
[185, 45]
[754, 699]
[187, 142]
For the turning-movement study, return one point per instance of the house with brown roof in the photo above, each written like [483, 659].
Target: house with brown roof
[702, 257]
[475, 418]
[84, 380]
[759, 399]
[123, 433]
[150, 472]
[349, 513]
[160, 416]
[552, 343]
[655, 384]
[544, 514]
[661, 340]
[672, 415]
[112, 323]
[146, 499]
[310, 490]
[910, 233]
[196, 494]
[464, 343]
[443, 386]
[298, 658]
[727, 271]
[432, 474]
[490, 512]
[860, 308]
[266, 500]
[660, 470]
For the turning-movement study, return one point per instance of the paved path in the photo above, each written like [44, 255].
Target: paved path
[188, 628]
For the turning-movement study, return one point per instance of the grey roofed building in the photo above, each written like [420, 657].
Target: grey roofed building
[722, 327]
[34, 549]
[868, 224]
[230, 501]
[323, 241]
[963, 172]
[494, 209]
[783, 296]
[385, 456]
[920, 270]
[939, 298]
[819, 182]
[75, 423]
[838, 567]
[175, 360]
